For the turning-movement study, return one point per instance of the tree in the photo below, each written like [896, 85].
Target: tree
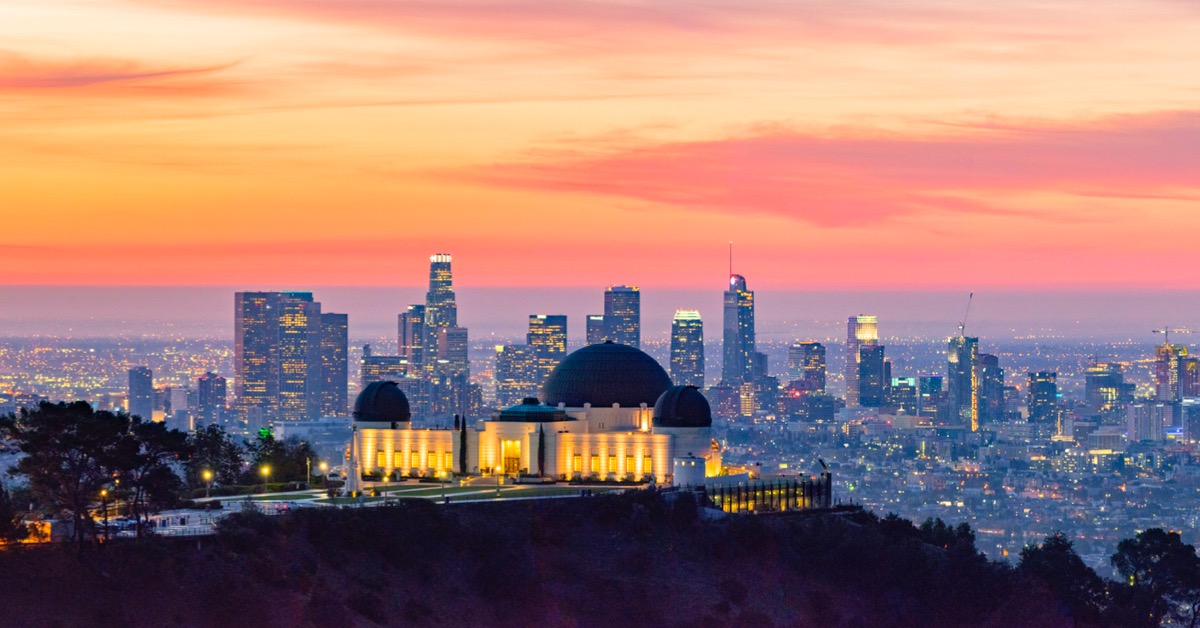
[1076, 585]
[541, 455]
[462, 448]
[12, 528]
[1162, 565]
[71, 453]
[214, 450]
[287, 459]
[145, 467]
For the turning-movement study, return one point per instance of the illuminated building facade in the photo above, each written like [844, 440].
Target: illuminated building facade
[873, 376]
[687, 348]
[278, 356]
[738, 338]
[806, 363]
[211, 399]
[548, 338]
[335, 375]
[861, 331]
[991, 389]
[141, 392]
[1167, 361]
[595, 329]
[517, 374]
[623, 315]
[1043, 397]
[963, 381]
[441, 309]
[410, 334]
[1105, 390]
[610, 412]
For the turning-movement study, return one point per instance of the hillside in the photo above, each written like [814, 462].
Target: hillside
[632, 559]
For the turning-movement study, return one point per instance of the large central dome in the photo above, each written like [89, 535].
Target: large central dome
[604, 374]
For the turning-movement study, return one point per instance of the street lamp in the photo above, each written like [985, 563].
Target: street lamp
[104, 504]
[266, 473]
[324, 473]
[208, 478]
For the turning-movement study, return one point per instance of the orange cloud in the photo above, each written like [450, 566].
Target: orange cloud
[861, 179]
[19, 73]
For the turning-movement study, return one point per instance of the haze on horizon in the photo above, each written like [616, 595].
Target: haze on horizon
[927, 147]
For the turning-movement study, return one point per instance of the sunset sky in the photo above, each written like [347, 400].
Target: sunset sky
[840, 145]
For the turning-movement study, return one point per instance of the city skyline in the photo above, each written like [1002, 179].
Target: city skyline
[981, 147]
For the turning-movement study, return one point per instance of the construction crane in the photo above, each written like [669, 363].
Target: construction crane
[1167, 331]
[962, 325]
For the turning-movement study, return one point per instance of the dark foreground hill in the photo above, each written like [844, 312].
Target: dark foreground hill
[628, 560]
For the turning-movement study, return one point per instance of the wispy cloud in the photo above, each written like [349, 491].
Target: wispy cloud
[856, 179]
[20, 73]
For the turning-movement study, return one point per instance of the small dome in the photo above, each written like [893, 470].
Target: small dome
[530, 410]
[682, 406]
[604, 374]
[382, 402]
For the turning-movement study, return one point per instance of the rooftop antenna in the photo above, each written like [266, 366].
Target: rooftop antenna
[731, 258]
[962, 325]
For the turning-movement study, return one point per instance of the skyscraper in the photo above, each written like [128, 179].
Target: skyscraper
[687, 349]
[1043, 397]
[623, 315]
[141, 392]
[1167, 361]
[991, 389]
[873, 376]
[441, 309]
[548, 338]
[1105, 390]
[596, 330]
[861, 331]
[806, 363]
[962, 381]
[517, 374]
[277, 356]
[211, 399]
[410, 335]
[335, 375]
[738, 345]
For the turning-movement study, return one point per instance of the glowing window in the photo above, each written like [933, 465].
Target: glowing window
[381, 458]
[577, 463]
[595, 463]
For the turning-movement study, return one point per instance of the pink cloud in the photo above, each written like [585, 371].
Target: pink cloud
[853, 180]
[21, 73]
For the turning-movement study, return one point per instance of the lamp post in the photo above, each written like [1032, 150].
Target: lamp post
[324, 466]
[266, 473]
[307, 472]
[104, 504]
[208, 478]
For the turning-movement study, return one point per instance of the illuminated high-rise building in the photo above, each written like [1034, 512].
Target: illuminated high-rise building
[1167, 361]
[517, 374]
[211, 399]
[335, 369]
[806, 363]
[1189, 377]
[861, 331]
[441, 309]
[1105, 390]
[548, 338]
[1042, 397]
[141, 392]
[873, 376]
[277, 356]
[991, 389]
[410, 334]
[962, 381]
[595, 329]
[687, 349]
[623, 315]
[738, 340]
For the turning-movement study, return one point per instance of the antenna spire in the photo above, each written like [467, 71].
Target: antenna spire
[731, 258]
